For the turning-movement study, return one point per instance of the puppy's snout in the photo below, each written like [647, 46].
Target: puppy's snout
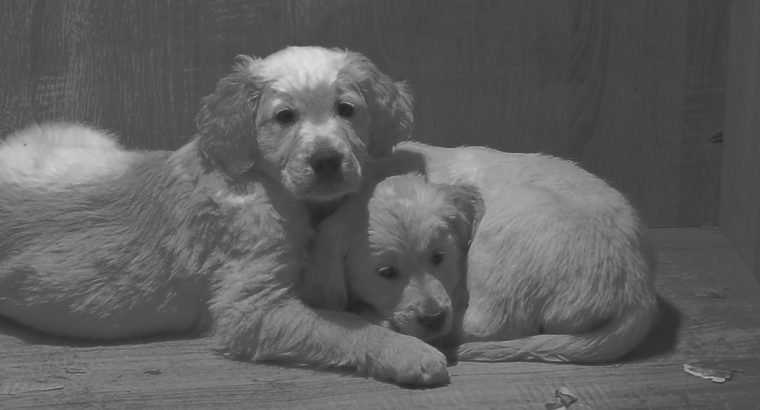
[433, 321]
[326, 163]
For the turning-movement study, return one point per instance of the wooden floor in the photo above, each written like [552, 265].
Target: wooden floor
[710, 316]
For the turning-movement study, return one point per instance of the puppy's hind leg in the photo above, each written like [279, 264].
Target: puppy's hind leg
[604, 344]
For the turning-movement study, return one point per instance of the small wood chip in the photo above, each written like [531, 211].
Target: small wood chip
[566, 399]
[565, 396]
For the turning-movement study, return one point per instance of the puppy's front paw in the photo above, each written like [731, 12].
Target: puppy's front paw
[409, 361]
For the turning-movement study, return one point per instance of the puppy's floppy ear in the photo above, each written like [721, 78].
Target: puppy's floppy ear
[226, 119]
[392, 118]
[389, 102]
[468, 210]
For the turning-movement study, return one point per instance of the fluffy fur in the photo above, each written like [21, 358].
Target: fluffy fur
[558, 270]
[401, 247]
[397, 251]
[102, 243]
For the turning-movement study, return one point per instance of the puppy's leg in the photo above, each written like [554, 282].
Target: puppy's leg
[323, 284]
[265, 322]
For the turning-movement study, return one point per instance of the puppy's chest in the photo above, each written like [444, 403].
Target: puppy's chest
[256, 223]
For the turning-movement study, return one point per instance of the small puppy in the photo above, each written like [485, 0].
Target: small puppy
[102, 243]
[402, 247]
[558, 269]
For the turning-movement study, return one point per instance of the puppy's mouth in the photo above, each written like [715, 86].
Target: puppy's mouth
[325, 175]
[425, 326]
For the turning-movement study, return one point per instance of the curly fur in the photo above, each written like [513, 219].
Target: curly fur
[102, 243]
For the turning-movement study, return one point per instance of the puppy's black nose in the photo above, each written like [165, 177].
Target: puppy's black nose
[326, 163]
[434, 321]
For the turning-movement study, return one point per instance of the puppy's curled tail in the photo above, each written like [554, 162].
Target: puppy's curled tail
[607, 343]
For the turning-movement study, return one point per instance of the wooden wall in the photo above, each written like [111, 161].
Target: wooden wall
[740, 193]
[633, 90]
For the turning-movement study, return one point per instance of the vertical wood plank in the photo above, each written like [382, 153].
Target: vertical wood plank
[740, 192]
[15, 79]
[589, 48]
[128, 66]
[704, 87]
[636, 138]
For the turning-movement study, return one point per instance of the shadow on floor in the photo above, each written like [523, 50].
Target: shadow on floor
[663, 337]
[12, 328]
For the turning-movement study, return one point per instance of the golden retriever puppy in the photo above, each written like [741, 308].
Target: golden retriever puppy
[99, 242]
[558, 269]
[402, 246]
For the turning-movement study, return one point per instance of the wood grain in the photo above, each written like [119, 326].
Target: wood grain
[15, 101]
[740, 192]
[632, 90]
[127, 66]
[710, 306]
[704, 87]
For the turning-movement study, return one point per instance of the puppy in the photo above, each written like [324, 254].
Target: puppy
[558, 269]
[402, 246]
[102, 243]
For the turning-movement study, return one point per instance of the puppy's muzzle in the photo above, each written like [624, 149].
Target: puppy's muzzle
[326, 163]
[433, 322]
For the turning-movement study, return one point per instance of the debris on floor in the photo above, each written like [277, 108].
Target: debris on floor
[713, 374]
[566, 399]
[153, 372]
[713, 293]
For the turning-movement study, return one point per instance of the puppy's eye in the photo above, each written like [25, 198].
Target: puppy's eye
[345, 109]
[388, 272]
[437, 257]
[285, 116]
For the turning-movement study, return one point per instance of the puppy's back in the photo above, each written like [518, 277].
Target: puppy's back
[47, 156]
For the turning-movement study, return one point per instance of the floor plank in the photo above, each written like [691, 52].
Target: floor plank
[710, 314]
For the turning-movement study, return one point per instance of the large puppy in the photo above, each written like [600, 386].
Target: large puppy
[558, 269]
[102, 243]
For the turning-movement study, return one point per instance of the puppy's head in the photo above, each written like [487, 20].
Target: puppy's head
[413, 255]
[306, 116]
